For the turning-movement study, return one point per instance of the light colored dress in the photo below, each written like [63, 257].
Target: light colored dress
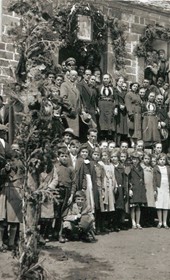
[89, 193]
[148, 179]
[163, 198]
[109, 187]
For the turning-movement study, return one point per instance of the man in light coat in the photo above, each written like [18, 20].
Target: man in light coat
[70, 94]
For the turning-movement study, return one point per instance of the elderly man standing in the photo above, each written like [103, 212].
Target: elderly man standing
[71, 96]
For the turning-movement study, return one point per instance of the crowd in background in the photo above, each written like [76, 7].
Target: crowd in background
[111, 163]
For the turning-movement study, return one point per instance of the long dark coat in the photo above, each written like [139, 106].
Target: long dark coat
[88, 97]
[121, 118]
[121, 192]
[150, 130]
[127, 169]
[133, 105]
[70, 94]
[81, 183]
[137, 185]
[106, 104]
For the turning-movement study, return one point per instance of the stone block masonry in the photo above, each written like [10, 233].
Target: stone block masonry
[8, 54]
[134, 16]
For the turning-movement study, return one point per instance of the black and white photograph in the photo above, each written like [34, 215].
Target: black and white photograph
[84, 139]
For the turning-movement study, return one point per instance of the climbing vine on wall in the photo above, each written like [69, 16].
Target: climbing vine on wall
[60, 26]
[151, 32]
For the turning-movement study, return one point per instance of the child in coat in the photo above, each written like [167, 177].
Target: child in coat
[137, 191]
[100, 175]
[148, 212]
[126, 164]
[120, 194]
[86, 178]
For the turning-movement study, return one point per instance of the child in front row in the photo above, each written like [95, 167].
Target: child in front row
[161, 179]
[149, 210]
[137, 191]
[110, 187]
[65, 187]
[100, 175]
[79, 219]
[86, 178]
[120, 194]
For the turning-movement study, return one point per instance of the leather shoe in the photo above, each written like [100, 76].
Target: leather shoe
[62, 240]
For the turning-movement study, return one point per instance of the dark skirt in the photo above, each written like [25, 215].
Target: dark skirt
[106, 117]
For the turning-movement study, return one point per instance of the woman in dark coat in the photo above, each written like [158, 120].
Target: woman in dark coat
[137, 191]
[133, 106]
[107, 109]
[150, 131]
[121, 118]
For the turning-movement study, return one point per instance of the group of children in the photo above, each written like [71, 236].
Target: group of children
[98, 187]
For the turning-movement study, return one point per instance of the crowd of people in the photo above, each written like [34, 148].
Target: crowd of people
[112, 163]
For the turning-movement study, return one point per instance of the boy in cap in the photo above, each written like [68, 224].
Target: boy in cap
[79, 219]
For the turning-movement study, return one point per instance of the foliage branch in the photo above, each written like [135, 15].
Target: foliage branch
[151, 32]
[40, 24]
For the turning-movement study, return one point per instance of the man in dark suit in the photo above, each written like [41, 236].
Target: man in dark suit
[88, 102]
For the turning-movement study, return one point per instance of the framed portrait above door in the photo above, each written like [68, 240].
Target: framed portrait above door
[84, 32]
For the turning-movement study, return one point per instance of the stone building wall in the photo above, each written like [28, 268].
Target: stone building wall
[8, 54]
[135, 16]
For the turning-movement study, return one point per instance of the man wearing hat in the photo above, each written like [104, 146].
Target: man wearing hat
[70, 63]
[71, 96]
[68, 136]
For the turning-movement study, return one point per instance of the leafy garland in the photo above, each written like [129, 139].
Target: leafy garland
[61, 27]
[151, 33]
